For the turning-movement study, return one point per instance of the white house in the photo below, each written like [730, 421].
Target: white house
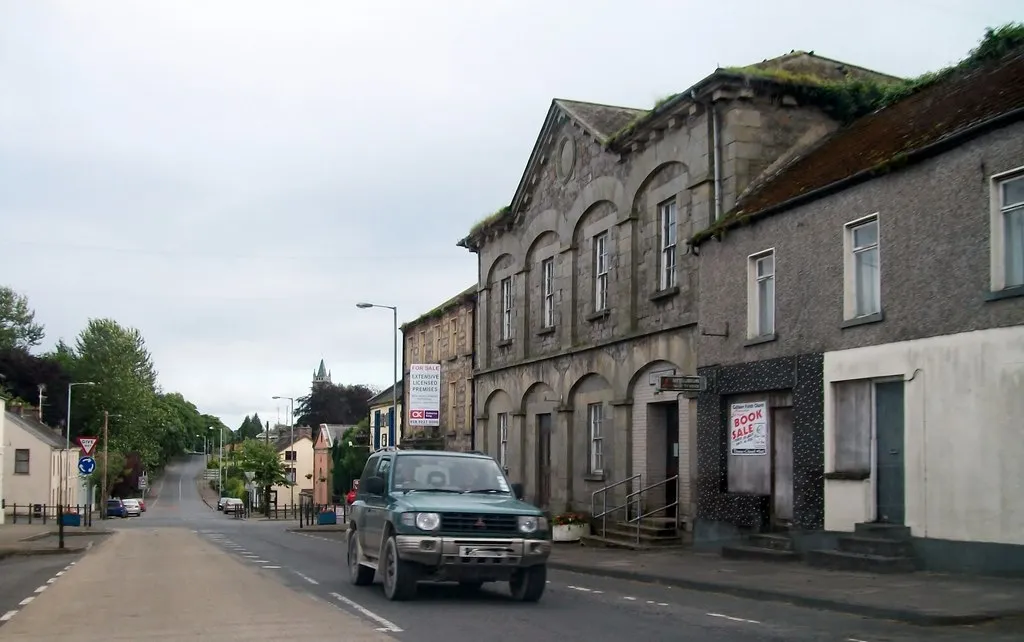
[297, 457]
[37, 468]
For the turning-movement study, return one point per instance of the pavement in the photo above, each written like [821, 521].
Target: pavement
[926, 599]
[308, 565]
[40, 539]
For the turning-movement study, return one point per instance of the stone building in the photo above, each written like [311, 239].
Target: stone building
[443, 336]
[869, 300]
[586, 291]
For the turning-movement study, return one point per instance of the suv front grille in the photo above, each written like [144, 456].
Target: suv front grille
[479, 523]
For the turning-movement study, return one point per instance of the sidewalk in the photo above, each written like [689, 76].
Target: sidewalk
[927, 599]
[41, 539]
[190, 591]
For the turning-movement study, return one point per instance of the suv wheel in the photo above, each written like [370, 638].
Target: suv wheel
[399, 576]
[528, 584]
[357, 573]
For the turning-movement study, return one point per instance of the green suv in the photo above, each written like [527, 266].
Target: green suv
[434, 516]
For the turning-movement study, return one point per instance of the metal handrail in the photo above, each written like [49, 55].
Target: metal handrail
[604, 513]
[639, 494]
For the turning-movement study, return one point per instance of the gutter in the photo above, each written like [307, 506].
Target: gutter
[912, 157]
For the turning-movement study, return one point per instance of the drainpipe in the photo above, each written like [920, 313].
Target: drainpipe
[715, 154]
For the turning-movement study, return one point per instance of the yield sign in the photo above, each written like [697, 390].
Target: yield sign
[87, 444]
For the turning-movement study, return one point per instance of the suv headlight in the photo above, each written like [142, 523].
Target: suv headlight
[422, 521]
[532, 524]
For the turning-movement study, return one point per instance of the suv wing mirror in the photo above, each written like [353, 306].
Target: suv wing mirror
[517, 490]
[374, 486]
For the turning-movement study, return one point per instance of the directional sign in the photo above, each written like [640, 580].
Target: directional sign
[86, 465]
[684, 383]
[88, 445]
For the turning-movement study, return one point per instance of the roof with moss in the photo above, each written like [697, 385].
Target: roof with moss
[934, 113]
[466, 296]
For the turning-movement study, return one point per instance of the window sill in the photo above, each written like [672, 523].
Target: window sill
[600, 315]
[543, 332]
[453, 358]
[504, 343]
[1006, 293]
[591, 477]
[864, 320]
[667, 293]
[848, 475]
[756, 341]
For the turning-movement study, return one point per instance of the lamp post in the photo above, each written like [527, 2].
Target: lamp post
[106, 460]
[291, 426]
[394, 364]
[64, 489]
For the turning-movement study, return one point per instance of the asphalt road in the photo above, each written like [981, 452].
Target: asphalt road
[574, 607]
[22, 577]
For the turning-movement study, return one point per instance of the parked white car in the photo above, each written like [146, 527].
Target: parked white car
[132, 507]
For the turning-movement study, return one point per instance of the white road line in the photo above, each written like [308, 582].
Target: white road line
[734, 619]
[271, 567]
[26, 601]
[51, 580]
[41, 589]
[306, 577]
[855, 640]
[259, 561]
[385, 624]
[8, 615]
[59, 573]
[631, 599]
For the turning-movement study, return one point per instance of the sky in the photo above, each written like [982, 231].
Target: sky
[232, 177]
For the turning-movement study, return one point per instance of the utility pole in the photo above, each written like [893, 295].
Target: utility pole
[106, 462]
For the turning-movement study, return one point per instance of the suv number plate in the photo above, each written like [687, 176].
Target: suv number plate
[473, 551]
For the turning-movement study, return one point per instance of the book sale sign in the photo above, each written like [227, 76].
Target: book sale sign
[748, 428]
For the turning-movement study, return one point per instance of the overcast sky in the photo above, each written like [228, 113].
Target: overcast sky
[233, 177]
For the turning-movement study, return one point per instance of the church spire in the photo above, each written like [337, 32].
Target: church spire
[322, 375]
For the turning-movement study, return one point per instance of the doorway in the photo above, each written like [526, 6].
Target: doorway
[781, 432]
[671, 456]
[543, 497]
[890, 472]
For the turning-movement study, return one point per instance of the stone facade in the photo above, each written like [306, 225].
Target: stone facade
[444, 336]
[541, 376]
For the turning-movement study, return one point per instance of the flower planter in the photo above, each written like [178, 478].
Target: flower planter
[568, 532]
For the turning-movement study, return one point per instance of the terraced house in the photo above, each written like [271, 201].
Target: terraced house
[868, 301]
[587, 293]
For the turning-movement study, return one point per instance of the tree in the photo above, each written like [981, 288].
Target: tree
[116, 472]
[334, 404]
[262, 459]
[18, 327]
[349, 460]
[22, 373]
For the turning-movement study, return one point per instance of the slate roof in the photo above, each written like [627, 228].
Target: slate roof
[284, 439]
[384, 398]
[40, 431]
[335, 431]
[965, 103]
[469, 294]
[602, 121]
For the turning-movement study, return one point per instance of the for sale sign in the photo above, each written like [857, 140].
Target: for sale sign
[748, 428]
[424, 394]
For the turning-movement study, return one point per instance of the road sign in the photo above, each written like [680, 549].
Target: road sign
[86, 465]
[683, 383]
[87, 444]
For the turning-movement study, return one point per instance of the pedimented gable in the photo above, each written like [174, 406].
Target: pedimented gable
[571, 141]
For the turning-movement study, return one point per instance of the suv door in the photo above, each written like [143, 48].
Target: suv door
[375, 508]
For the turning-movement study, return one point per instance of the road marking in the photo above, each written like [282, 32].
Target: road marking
[631, 599]
[271, 567]
[386, 625]
[855, 640]
[59, 573]
[41, 589]
[734, 619]
[51, 580]
[260, 561]
[307, 578]
[8, 615]
[26, 601]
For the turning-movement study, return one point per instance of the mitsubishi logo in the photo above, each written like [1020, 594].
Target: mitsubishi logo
[479, 523]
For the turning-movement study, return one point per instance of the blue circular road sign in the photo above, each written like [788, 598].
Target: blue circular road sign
[86, 465]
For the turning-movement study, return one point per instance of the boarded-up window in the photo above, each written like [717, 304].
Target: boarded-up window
[854, 410]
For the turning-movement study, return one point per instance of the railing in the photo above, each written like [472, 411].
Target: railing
[45, 513]
[638, 495]
[605, 511]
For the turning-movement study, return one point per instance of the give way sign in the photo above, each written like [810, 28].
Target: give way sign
[87, 444]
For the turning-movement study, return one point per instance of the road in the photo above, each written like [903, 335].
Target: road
[22, 577]
[575, 607]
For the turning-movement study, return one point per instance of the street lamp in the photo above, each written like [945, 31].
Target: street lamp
[64, 490]
[394, 369]
[291, 425]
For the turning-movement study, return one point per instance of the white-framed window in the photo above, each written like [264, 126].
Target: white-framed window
[595, 427]
[1008, 230]
[290, 475]
[503, 439]
[506, 308]
[761, 294]
[863, 271]
[601, 272]
[547, 270]
[667, 215]
[453, 340]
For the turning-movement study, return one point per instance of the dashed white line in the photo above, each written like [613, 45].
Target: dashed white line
[733, 619]
[631, 599]
[41, 588]
[855, 640]
[26, 601]
[259, 561]
[306, 577]
[271, 567]
[386, 625]
[8, 615]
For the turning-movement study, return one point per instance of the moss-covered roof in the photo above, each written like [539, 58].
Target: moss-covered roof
[467, 295]
[913, 117]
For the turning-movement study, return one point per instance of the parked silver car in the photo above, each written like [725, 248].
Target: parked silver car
[132, 507]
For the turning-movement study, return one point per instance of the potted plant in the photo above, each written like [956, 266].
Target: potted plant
[568, 527]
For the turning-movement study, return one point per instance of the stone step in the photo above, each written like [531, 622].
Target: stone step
[843, 561]
[886, 531]
[758, 553]
[653, 529]
[651, 539]
[606, 542]
[774, 541]
[881, 546]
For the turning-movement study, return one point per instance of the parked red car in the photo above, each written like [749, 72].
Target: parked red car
[351, 496]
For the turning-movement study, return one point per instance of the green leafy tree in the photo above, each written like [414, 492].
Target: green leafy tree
[116, 471]
[349, 455]
[333, 404]
[18, 327]
[261, 459]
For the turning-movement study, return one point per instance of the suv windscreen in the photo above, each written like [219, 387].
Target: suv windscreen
[448, 474]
